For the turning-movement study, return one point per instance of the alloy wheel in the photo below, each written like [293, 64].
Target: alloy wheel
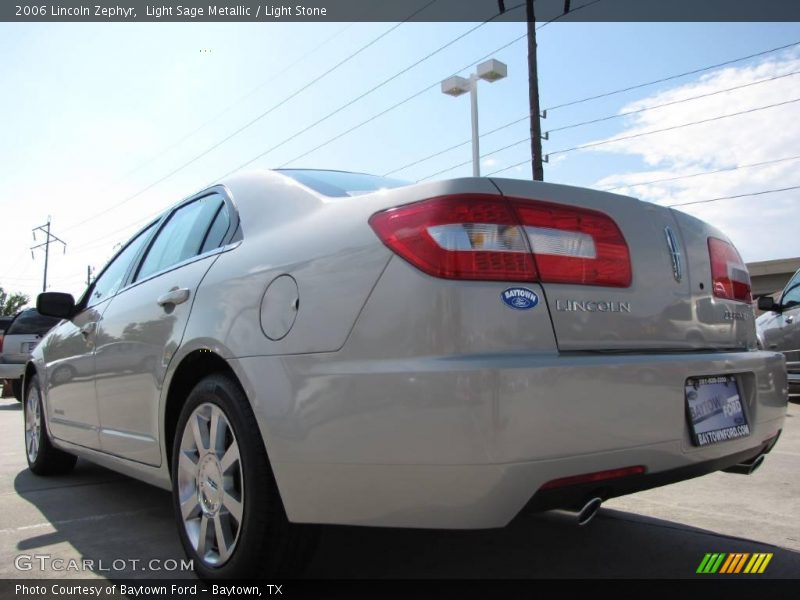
[33, 424]
[210, 484]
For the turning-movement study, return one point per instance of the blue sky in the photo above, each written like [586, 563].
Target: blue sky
[92, 114]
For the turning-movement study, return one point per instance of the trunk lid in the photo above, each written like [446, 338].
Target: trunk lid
[669, 304]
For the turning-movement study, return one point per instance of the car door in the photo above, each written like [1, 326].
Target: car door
[144, 324]
[786, 329]
[69, 386]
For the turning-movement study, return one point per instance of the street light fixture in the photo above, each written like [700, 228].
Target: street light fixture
[491, 70]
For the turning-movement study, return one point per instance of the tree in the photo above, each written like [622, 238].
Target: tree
[11, 303]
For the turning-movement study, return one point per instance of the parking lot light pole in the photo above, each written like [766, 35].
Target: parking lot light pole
[491, 70]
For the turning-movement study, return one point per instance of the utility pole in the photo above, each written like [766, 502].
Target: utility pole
[88, 275]
[49, 238]
[533, 94]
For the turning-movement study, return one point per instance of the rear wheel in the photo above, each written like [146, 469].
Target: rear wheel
[230, 516]
[43, 458]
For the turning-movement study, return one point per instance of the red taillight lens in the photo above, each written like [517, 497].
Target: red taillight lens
[575, 245]
[729, 276]
[1, 344]
[490, 238]
[594, 477]
[458, 237]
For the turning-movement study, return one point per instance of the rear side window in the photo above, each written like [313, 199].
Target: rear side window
[30, 322]
[182, 236]
[217, 231]
[4, 323]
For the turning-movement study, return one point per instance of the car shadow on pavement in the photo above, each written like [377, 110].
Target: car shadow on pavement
[615, 544]
[96, 514]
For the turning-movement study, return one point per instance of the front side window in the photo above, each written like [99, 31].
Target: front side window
[110, 280]
[182, 236]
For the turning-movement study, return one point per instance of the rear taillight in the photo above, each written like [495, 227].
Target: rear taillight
[1, 344]
[729, 277]
[458, 237]
[491, 238]
[575, 245]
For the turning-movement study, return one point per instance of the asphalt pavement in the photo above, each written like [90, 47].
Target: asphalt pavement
[127, 529]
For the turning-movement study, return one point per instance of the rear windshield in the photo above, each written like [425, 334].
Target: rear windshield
[4, 323]
[30, 322]
[338, 184]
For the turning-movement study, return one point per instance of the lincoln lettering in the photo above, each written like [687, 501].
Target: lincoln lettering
[593, 306]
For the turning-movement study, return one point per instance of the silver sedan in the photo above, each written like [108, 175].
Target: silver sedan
[298, 347]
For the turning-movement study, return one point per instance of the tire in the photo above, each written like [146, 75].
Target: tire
[43, 457]
[228, 487]
[16, 389]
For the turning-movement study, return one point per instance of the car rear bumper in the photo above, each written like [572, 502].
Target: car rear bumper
[11, 370]
[468, 441]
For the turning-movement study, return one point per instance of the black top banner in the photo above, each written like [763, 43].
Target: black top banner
[400, 10]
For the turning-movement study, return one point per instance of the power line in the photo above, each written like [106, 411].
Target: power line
[49, 238]
[623, 138]
[671, 77]
[517, 143]
[361, 96]
[715, 171]
[211, 120]
[786, 189]
[445, 150]
[265, 113]
[672, 103]
[402, 102]
[100, 241]
[636, 135]
[598, 120]
[425, 89]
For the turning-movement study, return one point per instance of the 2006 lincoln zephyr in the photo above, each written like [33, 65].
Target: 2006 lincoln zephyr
[297, 347]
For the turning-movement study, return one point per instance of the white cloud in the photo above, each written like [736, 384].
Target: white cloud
[763, 227]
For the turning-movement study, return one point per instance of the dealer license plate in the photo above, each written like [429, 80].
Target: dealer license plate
[715, 410]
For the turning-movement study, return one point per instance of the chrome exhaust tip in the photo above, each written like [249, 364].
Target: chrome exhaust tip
[589, 510]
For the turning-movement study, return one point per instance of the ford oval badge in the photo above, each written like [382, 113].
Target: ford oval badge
[520, 298]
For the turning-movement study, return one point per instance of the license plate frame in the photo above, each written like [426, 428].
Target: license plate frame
[715, 410]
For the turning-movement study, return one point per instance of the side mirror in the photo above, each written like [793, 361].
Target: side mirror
[767, 303]
[56, 304]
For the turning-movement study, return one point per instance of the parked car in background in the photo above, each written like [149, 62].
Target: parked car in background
[5, 383]
[24, 332]
[298, 347]
[779, 328]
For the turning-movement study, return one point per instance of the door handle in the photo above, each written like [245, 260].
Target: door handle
[174, 296]
[790, 319]
[88, 329]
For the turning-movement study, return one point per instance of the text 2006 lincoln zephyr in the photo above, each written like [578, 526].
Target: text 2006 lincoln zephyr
[296, 347]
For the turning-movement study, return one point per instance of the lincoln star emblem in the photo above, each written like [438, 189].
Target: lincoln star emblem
[675, 254]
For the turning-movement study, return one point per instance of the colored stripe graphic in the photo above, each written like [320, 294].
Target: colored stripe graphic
[711, 562]
[734, 563]
[758, 563]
